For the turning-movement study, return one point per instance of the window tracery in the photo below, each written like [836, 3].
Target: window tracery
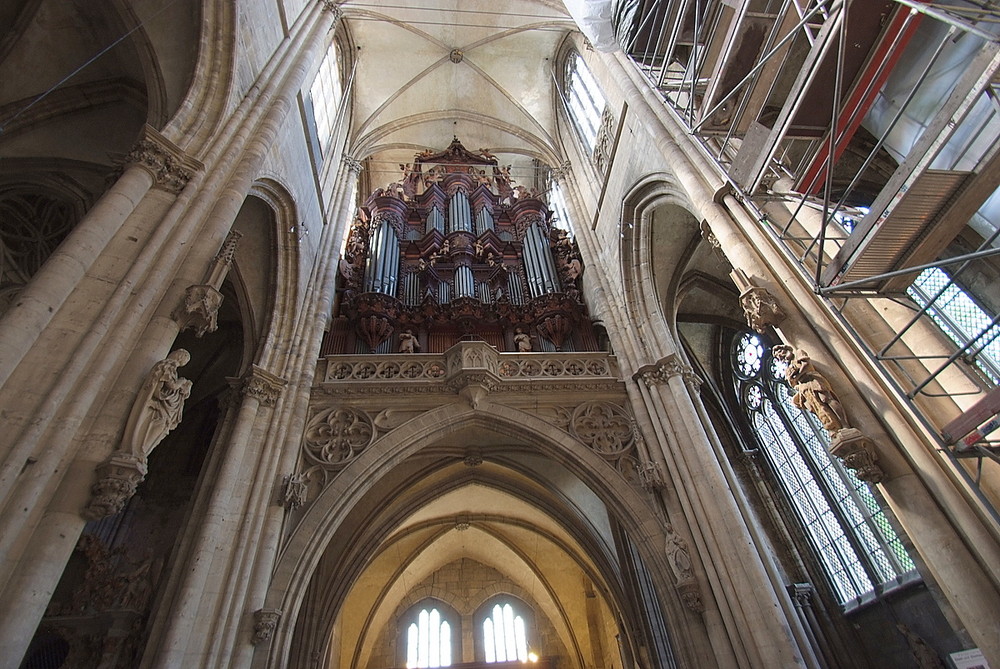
[844, 522]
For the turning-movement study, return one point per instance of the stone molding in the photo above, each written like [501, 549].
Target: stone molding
[169, 166]
[265, 622]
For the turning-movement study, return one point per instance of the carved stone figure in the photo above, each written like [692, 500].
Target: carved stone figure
[158, 408]
[678, 557]
[522, 341]
[812, 391]
[408, 342]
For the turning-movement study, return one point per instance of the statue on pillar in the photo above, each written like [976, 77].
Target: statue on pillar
[812, 391]
[156, 411]
[158, 408]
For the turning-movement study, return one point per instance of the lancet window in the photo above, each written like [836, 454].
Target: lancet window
[324, 97]
[584, 100]
[504, 634]
[843, 521]
[429, 639]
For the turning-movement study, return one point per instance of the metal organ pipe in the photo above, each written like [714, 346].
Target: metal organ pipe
[464, 284]
[459, 213]
[484, 221]
[383, 265]
[436, 220]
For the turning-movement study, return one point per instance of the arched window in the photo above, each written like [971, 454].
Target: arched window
[843, 521]
[584, 100]
[504, 634]
[557, 203]
[428, 639]
[324, 99]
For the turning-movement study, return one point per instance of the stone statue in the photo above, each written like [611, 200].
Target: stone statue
[522, 341]
[157, 409]
[408, 342]
[678, 557]
[812, 391]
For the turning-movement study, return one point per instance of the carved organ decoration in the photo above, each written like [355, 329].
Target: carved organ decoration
[454, 250]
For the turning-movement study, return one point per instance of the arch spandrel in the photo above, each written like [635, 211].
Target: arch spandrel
[423, 438]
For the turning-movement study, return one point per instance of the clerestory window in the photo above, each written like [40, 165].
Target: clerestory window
[844, 522]
[584, 100]
[504, 634]
[428, 640]
[324, 99]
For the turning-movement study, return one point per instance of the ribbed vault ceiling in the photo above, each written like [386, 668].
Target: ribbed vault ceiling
[436, 70]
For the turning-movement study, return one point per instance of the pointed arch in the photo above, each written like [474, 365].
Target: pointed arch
[349, 498]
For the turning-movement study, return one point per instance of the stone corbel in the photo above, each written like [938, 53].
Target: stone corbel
[117, 478]
[265, 622]
[857, 452]
[761, 309]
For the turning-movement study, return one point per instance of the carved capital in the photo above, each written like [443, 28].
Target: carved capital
[353, 164]
[199, 309]
[117, 478]
[265, 622]
[263, 385]
[170, 168]
[802, 594]
[294, 490]
[560, 173]
[857, 452]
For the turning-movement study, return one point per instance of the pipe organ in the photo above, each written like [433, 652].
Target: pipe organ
[455, 251]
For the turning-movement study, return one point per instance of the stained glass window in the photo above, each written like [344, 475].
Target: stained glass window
[843, 520]
[959, 317]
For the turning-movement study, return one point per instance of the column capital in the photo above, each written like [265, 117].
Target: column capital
[261, 385]
[662, 371]
[169, 166]
[353, 164]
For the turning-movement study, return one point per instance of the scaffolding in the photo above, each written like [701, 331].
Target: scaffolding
[865, 137]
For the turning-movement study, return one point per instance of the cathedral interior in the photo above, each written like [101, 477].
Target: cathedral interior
[596, 334]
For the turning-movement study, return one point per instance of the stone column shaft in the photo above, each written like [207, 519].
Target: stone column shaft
[56, 279]
[319, 298]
